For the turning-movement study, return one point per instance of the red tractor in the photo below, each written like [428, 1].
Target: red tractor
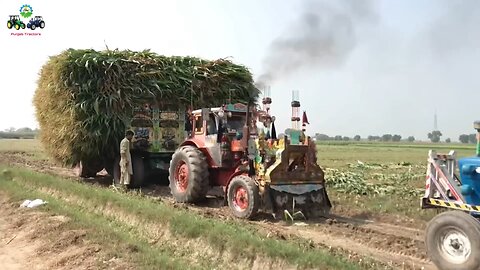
[256, 170]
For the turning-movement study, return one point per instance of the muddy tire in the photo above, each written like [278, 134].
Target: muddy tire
[138, 177]
[453, 241]
[243, 197]
[188, 175]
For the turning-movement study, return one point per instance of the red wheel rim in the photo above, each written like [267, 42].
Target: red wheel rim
[181, 176]
[240, 198]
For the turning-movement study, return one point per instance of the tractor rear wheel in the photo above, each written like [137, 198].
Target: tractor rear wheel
[42, 24]
[17, 26]
[9, 25]
[453, 241]
[243, 197]
[23, 26]
[188, 175]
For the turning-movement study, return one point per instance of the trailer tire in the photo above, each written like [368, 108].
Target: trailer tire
[243, 197]
[451, 235]
[188, 175]
[138, 177]
[87, 169]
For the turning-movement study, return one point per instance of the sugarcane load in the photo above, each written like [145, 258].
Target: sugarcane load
[86, 100]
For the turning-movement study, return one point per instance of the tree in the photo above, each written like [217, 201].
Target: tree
[434, 136]
[396, 138]
[472, 138]
[387, 137]
[345, 138]
[464, 138]
[338, 138]
[411, 139]
[322, 137]
[448, 140]
[357, 138]
[24, 130]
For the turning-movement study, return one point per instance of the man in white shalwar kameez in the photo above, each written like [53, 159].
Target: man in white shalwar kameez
[126, 170]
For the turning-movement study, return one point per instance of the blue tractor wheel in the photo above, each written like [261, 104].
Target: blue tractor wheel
[453, 241]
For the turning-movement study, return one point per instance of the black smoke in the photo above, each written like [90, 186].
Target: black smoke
[323, 35]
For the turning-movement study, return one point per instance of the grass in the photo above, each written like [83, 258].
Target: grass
[234, 237]
[31, 147]
[112, 236]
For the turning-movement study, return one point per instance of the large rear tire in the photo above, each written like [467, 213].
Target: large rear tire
[243, 197]
[453, 241]
[188, 175]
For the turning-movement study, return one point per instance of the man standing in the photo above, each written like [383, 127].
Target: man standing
[126, 170]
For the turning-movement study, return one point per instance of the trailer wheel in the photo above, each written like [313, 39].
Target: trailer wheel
[243, 197]
[188, 175]
[138, 167]
[138, 177]
[87, 169]
[453, 241]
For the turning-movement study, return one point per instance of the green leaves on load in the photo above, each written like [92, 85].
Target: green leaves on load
[85, 97]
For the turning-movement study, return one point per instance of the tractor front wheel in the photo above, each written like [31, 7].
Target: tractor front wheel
[453, 241]
[23, 26]
[188, 175]
[243, 197]
[33, 27]
[17, 26]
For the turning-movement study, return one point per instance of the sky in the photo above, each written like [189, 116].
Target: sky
[361, 67]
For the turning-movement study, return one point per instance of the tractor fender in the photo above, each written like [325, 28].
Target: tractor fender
[200, 146]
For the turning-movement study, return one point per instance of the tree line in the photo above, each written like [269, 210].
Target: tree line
[21, 133]
[434, 136]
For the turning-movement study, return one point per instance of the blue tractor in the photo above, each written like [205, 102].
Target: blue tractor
[452, 238]
[35, 22]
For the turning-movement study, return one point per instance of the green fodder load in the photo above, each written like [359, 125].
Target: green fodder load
[85, 98]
